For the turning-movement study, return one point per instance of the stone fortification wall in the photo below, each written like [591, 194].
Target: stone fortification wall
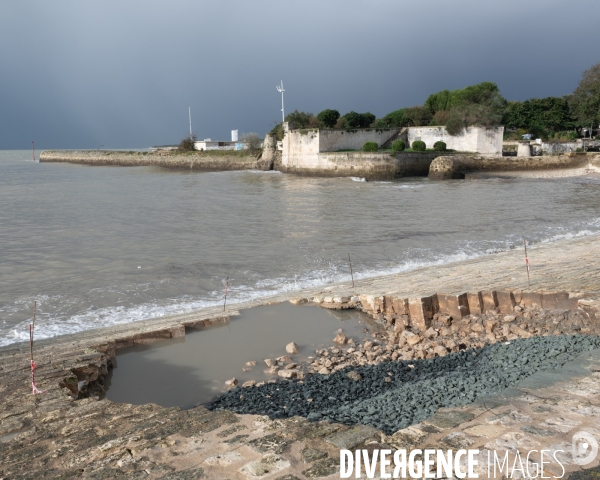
[484, 141]
[334, 140]
[371, 166]
[447, 167]
[301, 148]
[203, 161]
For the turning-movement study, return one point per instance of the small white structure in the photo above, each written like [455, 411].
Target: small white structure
[234, 135]
[208, 144]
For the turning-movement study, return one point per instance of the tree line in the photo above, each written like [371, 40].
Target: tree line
[478, 105]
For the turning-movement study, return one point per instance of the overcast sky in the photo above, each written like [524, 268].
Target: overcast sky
[122, 73]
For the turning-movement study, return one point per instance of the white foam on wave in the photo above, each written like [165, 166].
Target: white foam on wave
[358, 179]
[49, 326]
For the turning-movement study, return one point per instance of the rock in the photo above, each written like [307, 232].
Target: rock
[251, 363]
[348, 439]
[489, 325]
[413, 339]
[249, 383]
[354, 375]
[284, 359]
[270, 362]
[477, 328]
[274, 369]
[291, 348]
[341, 339]
[509, 318]
[431, 333]
[355, 299]
[328, 300]
[287, 374]
[324, 371]
[298, 301]
[290, 366]
[309, 455]
[232, 382]
[341, 299]
[440, 351]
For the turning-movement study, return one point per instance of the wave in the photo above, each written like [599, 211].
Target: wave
[358, 179]
[52, 325]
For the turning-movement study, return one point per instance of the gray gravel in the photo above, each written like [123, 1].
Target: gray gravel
[393, 395]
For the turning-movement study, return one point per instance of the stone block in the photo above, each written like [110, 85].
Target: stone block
[506, 301]
[379, 304]
[530, 299]
[367, 302]
[177, 331]
[224, 320]
[388, 304]
[454, 305]
[353, 437]
[400, 306]
[558, 301]
[475, 303]
[123, 342]
[489, 300]
[421, 312]
[149, 337]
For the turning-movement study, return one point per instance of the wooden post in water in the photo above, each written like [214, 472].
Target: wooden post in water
[32, 151]
[351, 274]
[226, 288]
[527, 262]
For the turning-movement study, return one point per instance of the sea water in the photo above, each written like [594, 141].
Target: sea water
[99, 246]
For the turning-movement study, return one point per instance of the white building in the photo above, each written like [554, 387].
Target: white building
[208, 144]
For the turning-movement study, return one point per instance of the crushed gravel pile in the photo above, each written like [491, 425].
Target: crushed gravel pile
[393, 395]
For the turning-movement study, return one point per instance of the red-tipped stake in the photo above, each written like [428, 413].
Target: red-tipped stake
[527, 262]
[351, 274]
[226, 288]
[34, 389]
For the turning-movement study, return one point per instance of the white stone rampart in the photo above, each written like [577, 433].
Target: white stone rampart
[301, 148]
[483, 141]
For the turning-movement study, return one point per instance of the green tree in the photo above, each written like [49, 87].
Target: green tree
[302, 119]
[440, 117]
[416, 116]
[585, 100]
[328, 117]
[359, 120]
[252, 142]
[187, 144]
[393, 119]
[549, 114]
[440, 101]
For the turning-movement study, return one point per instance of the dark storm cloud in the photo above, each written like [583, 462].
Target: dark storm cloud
[122, 74]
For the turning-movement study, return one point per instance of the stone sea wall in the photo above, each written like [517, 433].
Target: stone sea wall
[201, 161]
[448, 167]
[372, 166]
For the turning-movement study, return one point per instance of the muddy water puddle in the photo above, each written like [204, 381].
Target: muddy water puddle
[193, 369]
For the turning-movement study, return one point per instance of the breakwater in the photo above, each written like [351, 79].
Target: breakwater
[199, 161]
[455, 167]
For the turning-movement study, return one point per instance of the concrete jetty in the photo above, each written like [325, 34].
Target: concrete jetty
[199, 161]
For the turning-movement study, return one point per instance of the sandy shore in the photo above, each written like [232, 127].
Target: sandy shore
[52, 434]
